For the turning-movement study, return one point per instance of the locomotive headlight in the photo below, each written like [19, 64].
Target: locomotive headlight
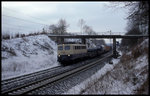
[68, 55]
[59, 55]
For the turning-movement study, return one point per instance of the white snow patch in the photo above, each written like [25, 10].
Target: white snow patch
[129, 53]
[141, 62]
[26, 55]
[76, 89]
[117, 82]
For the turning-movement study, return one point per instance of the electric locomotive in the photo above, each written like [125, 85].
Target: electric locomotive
[68, 52]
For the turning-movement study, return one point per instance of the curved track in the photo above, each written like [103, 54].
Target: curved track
[18, 82]
[31, 82]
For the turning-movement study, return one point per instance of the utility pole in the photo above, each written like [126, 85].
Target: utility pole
[9, 34]
[110, 38]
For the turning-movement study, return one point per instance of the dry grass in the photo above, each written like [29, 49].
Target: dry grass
[124, 72]
[144, 88]
[136, 52]
[125, 57]
[90, 85]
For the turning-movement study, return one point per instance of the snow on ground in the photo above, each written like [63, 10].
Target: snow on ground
[119, 78]
[28, 54]
[77, 89]
[109, 85]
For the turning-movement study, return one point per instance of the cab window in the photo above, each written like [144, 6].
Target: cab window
[60, 47]
[67, 47]
[84, 47]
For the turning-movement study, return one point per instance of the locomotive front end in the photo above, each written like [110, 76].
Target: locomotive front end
[64, 53]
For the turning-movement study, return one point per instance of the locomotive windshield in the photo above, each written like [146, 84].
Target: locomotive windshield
[67, 47]
[60, 47]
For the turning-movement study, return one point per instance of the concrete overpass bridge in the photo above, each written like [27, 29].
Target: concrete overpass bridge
[84, 37]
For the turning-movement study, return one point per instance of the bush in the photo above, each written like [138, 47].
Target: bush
[22, 35]
[136, 53]
[125, 58]
[131, 42]
[6, 36]
[17, 35]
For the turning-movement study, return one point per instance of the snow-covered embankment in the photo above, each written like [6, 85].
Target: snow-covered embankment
[28, 54]
[128, 75]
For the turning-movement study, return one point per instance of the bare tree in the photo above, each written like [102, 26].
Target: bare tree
[81, 24]
[87, 29]
[138, 14]
[62, 26]
[53, 29]
[138, 19]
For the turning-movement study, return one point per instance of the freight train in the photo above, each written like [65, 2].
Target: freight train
[71, 52]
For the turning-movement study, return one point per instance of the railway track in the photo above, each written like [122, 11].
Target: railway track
[6, 85]
[29, 87]
[7, 81]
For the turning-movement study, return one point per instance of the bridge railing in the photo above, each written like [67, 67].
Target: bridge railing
[98, 33]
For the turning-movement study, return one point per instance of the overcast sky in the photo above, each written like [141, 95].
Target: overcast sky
[96, 14]
[24, 17]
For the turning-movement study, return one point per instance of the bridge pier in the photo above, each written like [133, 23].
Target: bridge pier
[114, 48]
[60, 40]
[83, 40]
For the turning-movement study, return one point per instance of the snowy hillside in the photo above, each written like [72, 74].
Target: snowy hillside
[127, 75]
[27, 54]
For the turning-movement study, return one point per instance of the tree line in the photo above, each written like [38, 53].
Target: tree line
[57, 29]
[61, 28]
[138, 22]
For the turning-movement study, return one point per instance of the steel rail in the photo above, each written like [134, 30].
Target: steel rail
[22, 78]
[6, 81]
[37, 85]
